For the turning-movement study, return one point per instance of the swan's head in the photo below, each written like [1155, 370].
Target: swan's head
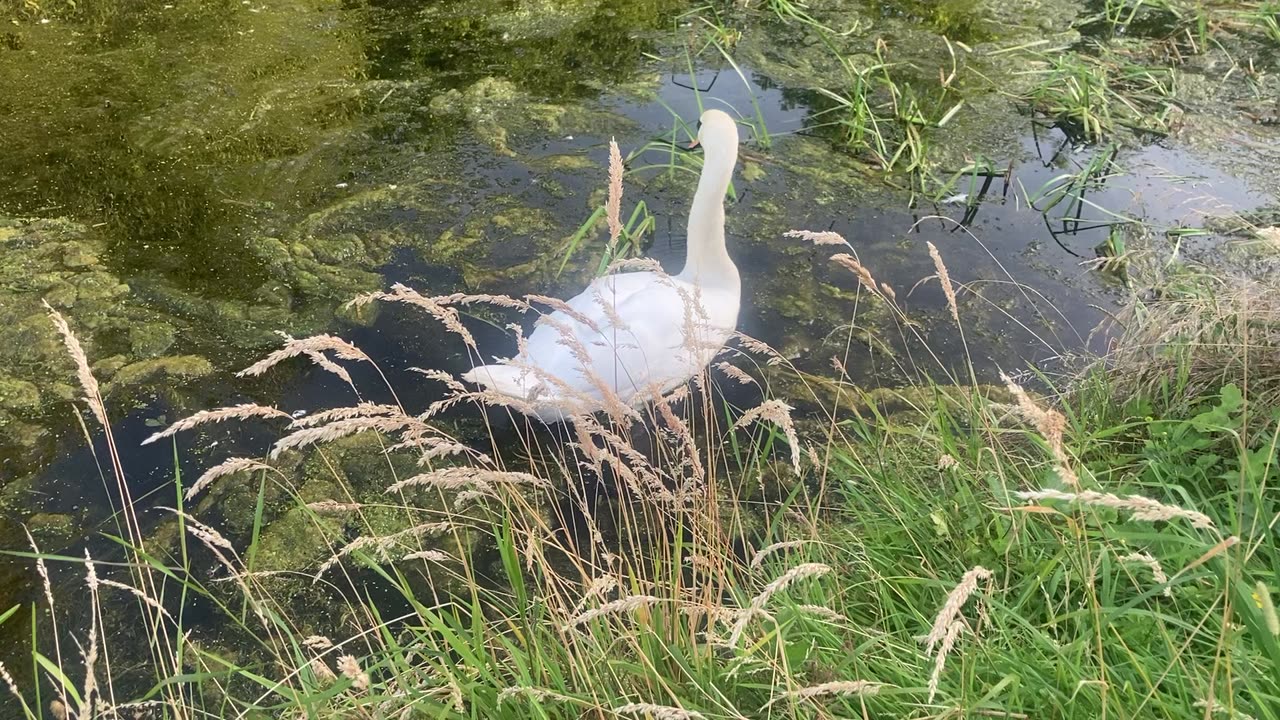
[717, 132]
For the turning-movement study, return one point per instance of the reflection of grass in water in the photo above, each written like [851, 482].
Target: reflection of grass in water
[647, 572]
[1090, 97]
[558, 51]
[960, 20]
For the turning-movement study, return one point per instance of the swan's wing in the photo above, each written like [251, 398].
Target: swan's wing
[625, 333]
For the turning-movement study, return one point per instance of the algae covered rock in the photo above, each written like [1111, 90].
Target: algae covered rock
[19, 396]
[179, 366]
[53, 531]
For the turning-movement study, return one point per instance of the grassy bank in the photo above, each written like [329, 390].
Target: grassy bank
[1104, 549]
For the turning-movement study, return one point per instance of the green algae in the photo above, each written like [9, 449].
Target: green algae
[962, 20]
[53, 532]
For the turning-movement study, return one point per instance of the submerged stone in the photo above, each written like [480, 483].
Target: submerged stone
[19, 396]
[53, 531]
[177, 366]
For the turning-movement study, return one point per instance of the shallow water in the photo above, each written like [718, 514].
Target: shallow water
[247, 167]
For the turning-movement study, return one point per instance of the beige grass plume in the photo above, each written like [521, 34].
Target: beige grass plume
[733, 372]
[621, 605]
[778, 413]
[350, 669]
[364, 409]
[944, 277]
[853, 265]
[613, 206]
[1049, 423]
[342, 428]
[205, 417]
[782, 582]
[1142, 509]
[817, 238]
[316, 344]
[380, 546]
[435, 307]
[650, 711]
[88, 383]
[944, 649]
[226, 467]
[764, 552]
[956, 599]
[836, 688]
[9, 682]
[1157, 572]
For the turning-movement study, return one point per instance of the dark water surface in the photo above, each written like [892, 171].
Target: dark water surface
[247, 167]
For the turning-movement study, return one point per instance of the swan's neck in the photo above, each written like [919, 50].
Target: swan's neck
[707, 263]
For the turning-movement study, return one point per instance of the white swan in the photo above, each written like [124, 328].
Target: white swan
[632, 335]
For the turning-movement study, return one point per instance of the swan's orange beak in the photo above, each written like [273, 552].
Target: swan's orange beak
[693, 144]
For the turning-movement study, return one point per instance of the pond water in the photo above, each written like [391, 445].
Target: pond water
[183, 180]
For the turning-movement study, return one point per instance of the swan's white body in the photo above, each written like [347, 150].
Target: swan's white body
[631, 335]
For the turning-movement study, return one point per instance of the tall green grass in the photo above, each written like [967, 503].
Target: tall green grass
[1104, 548]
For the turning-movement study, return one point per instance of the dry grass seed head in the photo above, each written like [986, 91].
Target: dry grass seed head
[317, 642]
[613, 206]
[836, 688]
[621, 605]
[1049, 423]
[462, 477]
[956, 599]
[944, 277]
[768, 550]
[1140, 508]
[1157, 572]
[321, 670]
[9, 681]
[333, 507]
[823, 612]
[441, 376]
[817, 238]
[759, 348]
[381, 546]
[435, 307]
[294, 347]
[364, 409]
[735, 373]
[944, 649]
[230, 466]
[635, 264]
[350, 669]
[852, 264]
[495, 300]
[342, 428]
[651, 711]
[437, 556]
[778, 413]
[323, 362]
[88, 383]
[204, 417]
[782, 582]
[558, 305]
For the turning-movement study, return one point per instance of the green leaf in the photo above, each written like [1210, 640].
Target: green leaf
[61, 677]
[9, 613]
